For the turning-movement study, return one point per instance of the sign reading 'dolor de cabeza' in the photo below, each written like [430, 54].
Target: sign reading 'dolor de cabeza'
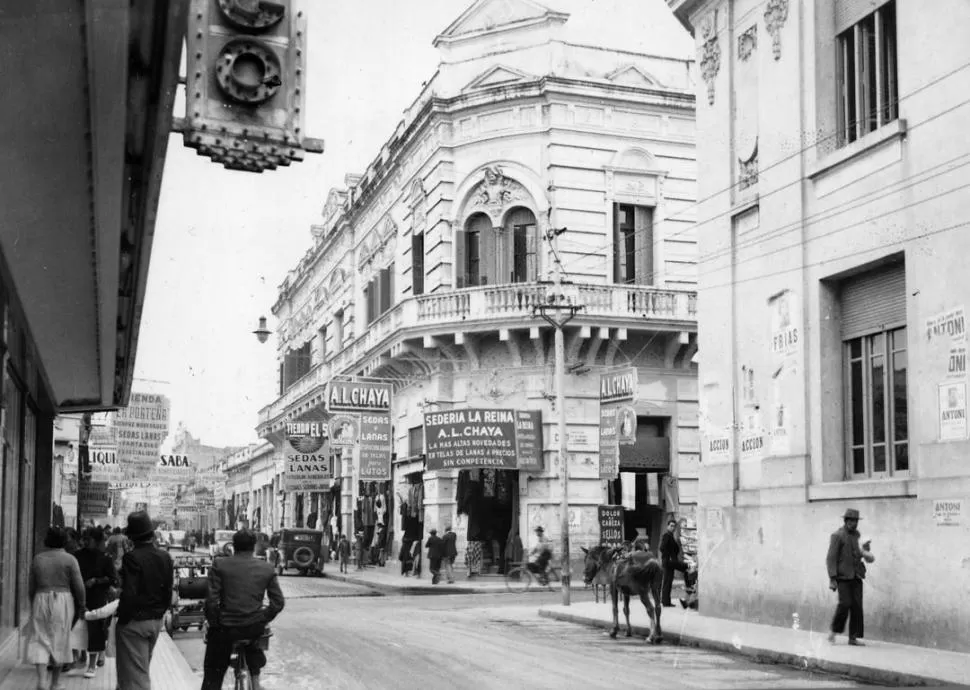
[470, 438]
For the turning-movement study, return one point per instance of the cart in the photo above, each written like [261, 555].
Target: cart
[189, 592]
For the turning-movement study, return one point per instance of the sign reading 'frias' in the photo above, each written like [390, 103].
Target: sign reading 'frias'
[375, 447]
[611, 525]
[470, 438]
[619, 386]
[348, 396]
[308, 465]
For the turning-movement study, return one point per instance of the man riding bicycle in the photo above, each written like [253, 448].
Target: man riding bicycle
[234, 609]
[539, 556]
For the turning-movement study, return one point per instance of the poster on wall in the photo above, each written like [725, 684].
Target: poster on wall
[953, 411]
[141, 428]
[784, 323]
[609, 448]
[948, 512]
[626, 425]
[616, 388]
[528, 437]
[375, 447]
[307, 462]
[470, 438]
[718, 448]
[780, 440]
[956, 367]
[948, 325]
[344, 431]
[752, 445]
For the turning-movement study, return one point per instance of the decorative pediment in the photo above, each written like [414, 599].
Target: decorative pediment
[491, 15]
[631, 75]
[418, 203]
[497, 76]
[377, 243]
[495, 194]
[337, 280]
[335, 203]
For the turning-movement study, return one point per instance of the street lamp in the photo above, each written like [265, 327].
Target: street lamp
[261, 332]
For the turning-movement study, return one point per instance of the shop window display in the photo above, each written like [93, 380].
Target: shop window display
[489, 499]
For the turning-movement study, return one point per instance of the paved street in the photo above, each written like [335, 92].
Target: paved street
[328, 639]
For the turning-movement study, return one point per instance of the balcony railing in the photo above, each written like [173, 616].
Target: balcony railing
[502, 304]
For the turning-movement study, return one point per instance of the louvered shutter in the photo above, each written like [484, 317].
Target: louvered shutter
[850, 12]
[874, 301]
[417, 263]
[617, 245]
[459, 271]
[531, 253]
[487, 251]
[643, 227]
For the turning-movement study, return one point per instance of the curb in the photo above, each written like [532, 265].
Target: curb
[419, 590]
[841, 668]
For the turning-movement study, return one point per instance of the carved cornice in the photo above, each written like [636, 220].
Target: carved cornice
[495, 194]
[776, 14]
[747, 43]
[710, 65]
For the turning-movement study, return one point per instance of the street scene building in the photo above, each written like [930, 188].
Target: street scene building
[426, 272]
[832, 225]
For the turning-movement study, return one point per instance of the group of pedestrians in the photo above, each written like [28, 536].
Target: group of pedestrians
[442, 551]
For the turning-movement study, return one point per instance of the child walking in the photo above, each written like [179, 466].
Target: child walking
[343, 552]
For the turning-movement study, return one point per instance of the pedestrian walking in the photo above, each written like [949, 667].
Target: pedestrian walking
[405, 556]
[451, 553]
[343, 552]
[359, 549]
[57, 601]
[146, 593]
[671, 557]
[99, 575]
[846, 563]
[436, 551]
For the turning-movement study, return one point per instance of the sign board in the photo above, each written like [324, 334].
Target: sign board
[948, 512]
[528, 437]
[348, 396]
[950, 325]
[105, 466]
[94, 498]
[609, 448]
[141, 428]
[375, 447]
[718, 448]
[344, 431]
[626, 425]
[470, 438]
[648, 453]
[620, 386]
[784, 323]
[956, 367]
[578, 440]
[953, 411]
[173, 469]
[611, 525]
[307, 463]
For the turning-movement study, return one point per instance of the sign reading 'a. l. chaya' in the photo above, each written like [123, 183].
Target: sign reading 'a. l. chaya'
[358, 396]
[619, 386]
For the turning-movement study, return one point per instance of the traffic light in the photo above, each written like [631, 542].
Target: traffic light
[244, 83]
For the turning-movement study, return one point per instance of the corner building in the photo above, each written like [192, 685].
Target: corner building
[833, 229]
[426, 268]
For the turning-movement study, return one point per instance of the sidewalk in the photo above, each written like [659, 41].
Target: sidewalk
[389, 580]
[878, 662]
[170, 671]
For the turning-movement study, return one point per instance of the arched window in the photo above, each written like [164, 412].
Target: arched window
[521, 250]
[473, 249]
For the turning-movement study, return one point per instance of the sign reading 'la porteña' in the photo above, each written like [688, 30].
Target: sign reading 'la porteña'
[349, 396]
[470, 438]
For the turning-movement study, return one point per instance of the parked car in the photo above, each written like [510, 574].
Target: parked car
[169, 539]
[223, 543]
[296, 548]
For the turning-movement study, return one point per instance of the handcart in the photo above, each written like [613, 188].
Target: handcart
[189, 592]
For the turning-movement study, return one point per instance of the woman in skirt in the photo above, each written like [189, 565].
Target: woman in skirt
[98, 573]
[57, 599]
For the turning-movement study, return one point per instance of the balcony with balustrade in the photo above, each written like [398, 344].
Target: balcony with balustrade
[449, 321]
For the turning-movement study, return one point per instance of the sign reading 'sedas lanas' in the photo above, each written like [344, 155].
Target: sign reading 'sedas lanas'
[470, 438]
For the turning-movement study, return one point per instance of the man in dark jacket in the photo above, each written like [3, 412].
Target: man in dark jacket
[436, 550]
[670, 558]
[234, 609]
[146, 594]
[846, 564]
[451, 553]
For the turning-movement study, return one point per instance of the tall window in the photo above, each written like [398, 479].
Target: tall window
[378, 293]
[876, 368]
[633, 242]
[322, 343]
[868, 88]
[417, 263]
[521, 226]
[415, 441]
[296, 364]
[338, 331]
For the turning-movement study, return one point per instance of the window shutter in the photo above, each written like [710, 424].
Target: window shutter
[460, 270]
[368, 307]
[850, 12]
[873, 301]
[387, 285]
[531, 253]
[617, 244]
[417, 263]
[487, 252]
[643, 227]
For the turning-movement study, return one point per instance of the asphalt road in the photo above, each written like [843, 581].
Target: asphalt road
[332, 635]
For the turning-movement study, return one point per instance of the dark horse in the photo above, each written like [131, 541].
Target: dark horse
[637, 573]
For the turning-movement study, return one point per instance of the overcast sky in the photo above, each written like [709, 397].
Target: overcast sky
[224, 240]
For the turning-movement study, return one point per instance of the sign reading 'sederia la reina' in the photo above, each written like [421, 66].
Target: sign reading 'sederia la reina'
[358, 396]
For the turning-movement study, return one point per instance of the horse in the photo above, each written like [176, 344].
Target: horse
[638, 573]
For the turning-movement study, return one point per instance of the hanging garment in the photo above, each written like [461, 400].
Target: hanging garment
[380, 510]
[504, 487]
[463, 492]
[474, 556]
[628, 487]
[488, 483]
[671, 494]
[653, 489]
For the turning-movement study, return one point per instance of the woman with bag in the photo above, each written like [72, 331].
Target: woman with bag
[99, 575]
[57, 600]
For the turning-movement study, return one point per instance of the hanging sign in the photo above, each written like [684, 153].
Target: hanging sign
[307, 463]
[609, 448]
[105, 466]
[344, 430]
[626, 425]
[94, 498]
[375, 447]
[528, 438]
[470, 438]
[173, 469]
[141, 428]
[348, 396]
[619, 386]
[611, 525]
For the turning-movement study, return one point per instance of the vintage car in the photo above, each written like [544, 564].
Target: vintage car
[222, 545]
[297, 548]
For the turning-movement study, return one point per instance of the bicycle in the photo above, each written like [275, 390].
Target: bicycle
[520, 579]
[243, 680]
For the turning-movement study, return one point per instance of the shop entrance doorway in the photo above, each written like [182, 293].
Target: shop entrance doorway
[490, 499]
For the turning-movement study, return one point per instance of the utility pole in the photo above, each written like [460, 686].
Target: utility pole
[558, 310]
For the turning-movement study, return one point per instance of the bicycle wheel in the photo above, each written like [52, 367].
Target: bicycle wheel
[518, 579]
[243, 680]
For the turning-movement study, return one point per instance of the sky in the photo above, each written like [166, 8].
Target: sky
[224, 240]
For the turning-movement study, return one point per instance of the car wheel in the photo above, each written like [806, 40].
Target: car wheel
[228, 550]
[303, 557]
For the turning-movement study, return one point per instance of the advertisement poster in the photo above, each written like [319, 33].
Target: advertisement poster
[528, 435]
[611, 525]
[953, 411]
[780, 418]
[375, 447]
[471, 438]
[141, 428]
[718, 448]
[105, 466]
[948, 325]
[344, 431]
[94, 498]
[752, 445]
[609, 448]
[173, 469]
[784, 323]
[358, 396]
[956, 367]
[308, 466]
[626, 425]
[948, 512]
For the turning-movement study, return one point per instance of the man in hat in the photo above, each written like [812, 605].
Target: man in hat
[451, 553]
[846, 563]
[146, 593]
[540, 554]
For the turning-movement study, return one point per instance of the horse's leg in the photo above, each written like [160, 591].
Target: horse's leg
[658, 606]
[648, 607]
[626, 613]
[615, 596]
